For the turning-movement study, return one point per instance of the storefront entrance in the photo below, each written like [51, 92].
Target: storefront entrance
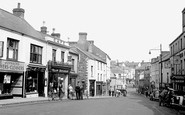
[35, 81]
[99, 88]
[91, 87]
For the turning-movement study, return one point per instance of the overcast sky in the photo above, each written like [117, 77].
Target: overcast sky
[124, 29]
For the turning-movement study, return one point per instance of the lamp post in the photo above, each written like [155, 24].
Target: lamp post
[161, 76]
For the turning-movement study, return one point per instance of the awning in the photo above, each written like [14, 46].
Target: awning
[37, 66]
[34, 67]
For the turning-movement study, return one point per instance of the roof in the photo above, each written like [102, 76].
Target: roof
[89, 55]
[17, 24]
[143, 66]
[116, 69]
[96, 54]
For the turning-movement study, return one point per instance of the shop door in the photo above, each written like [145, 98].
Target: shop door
[91, 88]
[41, 83]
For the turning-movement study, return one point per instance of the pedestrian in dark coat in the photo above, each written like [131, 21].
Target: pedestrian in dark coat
[77, 90]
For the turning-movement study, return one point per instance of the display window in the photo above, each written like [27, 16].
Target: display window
[7, 83]
[32, 82]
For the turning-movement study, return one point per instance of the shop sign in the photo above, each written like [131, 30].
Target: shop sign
[59, 70]
[11, 66]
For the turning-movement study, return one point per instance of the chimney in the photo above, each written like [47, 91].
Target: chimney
[56, 35]
[18, 11]
[43, 28]
[183, 20]
[82, 36]
[90, 48]
[91, 41]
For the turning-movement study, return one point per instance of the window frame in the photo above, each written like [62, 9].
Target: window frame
[15, 49]
[54, 54]
[1, 48]
[36, 51]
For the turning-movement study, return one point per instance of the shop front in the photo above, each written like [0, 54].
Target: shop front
[92, 88]
[99, 87]
[11, 79]
[178, 82]
[58, 73]
[34, 80]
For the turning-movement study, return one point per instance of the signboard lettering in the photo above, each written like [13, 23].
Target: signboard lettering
[11, 66]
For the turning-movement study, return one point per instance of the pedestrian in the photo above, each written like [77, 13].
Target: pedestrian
[60, 94]
[70, 88]
[109, 92]
[51, 90]
[77, 90]
[81, 92]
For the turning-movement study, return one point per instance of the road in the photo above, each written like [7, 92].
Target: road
[133, 104]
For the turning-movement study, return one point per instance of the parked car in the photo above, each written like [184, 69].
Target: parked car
[154, 95]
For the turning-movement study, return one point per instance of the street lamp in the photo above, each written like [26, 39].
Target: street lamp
[160, 84]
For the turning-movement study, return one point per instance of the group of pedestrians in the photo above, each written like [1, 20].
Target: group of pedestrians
[73, 93]
[79, 91]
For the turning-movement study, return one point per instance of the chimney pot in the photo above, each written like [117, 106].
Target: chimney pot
[19, 11]
[18, 6]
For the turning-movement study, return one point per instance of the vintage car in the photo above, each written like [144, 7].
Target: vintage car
[154, 95]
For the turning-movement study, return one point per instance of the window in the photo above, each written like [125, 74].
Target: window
[181, 44]
[12, 49]
[167, 77]
[73, 64]
[98, 65]
[62, 56]
[54, 55]
[36, 54]
[91, 71]
[98, 77]
[1, 48]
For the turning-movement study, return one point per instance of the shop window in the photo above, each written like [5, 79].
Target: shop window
[32, 83]
[35, 54]
[12, 49]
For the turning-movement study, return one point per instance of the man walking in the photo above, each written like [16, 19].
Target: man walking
[77, 90]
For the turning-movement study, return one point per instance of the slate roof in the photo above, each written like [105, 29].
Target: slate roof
[89, 55]
[96, 54]
[17, 24]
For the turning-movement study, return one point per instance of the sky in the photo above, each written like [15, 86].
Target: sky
[124, 29]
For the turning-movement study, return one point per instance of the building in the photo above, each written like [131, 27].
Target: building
[118, 80]
[166, 69]
[142, 75]
[33, 61]
[177, 59]
[93, 66]
[154, 73]
[19, 59]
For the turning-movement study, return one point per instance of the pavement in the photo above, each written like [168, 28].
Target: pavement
[22, 101]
